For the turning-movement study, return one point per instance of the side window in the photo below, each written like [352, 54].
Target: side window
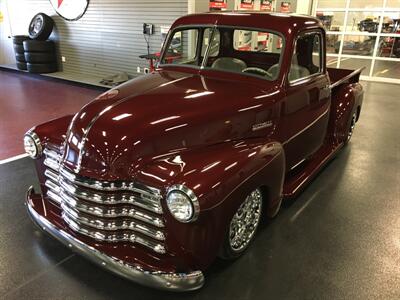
[307, 57]
[215, 43]
[182, 48]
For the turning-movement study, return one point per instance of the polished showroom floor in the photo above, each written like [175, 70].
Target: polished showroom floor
[340, 239]
[27, 100]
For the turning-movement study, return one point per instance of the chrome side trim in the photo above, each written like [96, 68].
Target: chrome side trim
[155, 279]
[298, 164]
[307, 127]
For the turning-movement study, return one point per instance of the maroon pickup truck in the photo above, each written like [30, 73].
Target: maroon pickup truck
[157, 177]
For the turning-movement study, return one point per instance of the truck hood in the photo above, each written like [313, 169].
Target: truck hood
[161, 114]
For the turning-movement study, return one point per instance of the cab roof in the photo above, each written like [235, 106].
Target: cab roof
[284, 23]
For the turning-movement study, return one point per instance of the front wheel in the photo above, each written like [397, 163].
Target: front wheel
[243, 226]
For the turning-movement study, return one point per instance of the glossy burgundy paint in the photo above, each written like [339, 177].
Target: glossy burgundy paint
[195, 127]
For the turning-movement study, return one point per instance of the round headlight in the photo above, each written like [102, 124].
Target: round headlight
[182, 203]
[32, 144]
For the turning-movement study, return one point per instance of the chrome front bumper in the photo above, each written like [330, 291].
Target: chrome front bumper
[160, 280]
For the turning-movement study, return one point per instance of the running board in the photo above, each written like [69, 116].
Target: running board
[300, 177]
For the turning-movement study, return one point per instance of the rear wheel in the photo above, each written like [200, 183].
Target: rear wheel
[243, 226]
[351, 127]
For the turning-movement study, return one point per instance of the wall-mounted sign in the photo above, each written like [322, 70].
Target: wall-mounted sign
[217, 4]
[70, 10]
[285, 7]
[247, 4]
[266, 5]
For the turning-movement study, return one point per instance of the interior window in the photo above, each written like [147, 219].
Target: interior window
[307, 56]
[182, 48]
[214, 50]
[250, 52]
[256, 41]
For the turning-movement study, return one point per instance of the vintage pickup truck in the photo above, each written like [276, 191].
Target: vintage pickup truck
[157, 177]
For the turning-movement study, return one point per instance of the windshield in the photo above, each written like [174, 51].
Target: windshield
[248, 51]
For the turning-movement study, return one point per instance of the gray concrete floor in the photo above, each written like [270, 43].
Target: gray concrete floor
[340, 239]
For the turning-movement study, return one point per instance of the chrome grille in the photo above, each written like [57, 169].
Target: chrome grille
[104, 210]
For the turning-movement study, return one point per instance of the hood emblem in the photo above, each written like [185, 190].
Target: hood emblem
[262, 125]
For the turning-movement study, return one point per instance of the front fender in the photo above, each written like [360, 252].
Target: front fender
[221, 176]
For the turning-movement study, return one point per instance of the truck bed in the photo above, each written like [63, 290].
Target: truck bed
[340, 76]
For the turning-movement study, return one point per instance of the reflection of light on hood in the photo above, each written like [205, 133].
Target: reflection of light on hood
[230, 166]
[164, 119]
[153, 176]
[210, 166]
[250, 107]
[175, 127]
[122, 116]
[200, 94]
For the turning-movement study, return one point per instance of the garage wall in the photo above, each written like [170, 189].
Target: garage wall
[108, 38]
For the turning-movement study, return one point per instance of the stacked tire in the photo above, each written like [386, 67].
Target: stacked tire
[40, 56]
[35, 53]
[19, 51]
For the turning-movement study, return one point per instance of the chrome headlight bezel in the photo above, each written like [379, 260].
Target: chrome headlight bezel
[33, 138]
[191, 198]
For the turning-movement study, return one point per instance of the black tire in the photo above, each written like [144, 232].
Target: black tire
[229, 249]
[20, 57]
[39, 46]
[41, 27]
[40, 57]
[18, 39]
[21, 66]
[18, 48]
[42, 68]
[351, 127]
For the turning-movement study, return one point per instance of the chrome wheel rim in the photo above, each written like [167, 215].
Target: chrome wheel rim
[245, 221]
[352, 125]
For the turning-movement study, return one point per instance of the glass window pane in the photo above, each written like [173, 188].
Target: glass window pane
[393, 3]
[366, 4]
[214, 50]
[331, 4]
[249, 52]
[333, 43]
[363, 21]
[182, 48]
[358, 45]
[390, 69]
[389, 47]
[333, 21]
[306, 59]
[391, 22]
[356, 63]
[331, 61]
[256, 41]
